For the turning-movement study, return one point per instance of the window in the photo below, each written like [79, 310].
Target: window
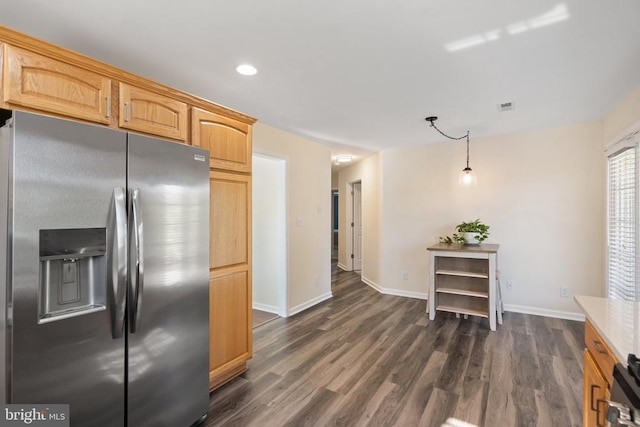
[622, 220]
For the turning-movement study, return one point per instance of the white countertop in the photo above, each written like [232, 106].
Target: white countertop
[617, 321]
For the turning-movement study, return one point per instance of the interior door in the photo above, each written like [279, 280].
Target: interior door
[63, 347]
[169, 278]
[357, 225]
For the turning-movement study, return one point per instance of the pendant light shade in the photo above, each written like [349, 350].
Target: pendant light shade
[468, 178]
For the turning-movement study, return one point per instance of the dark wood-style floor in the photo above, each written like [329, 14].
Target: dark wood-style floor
[260, 317]
[363, 358]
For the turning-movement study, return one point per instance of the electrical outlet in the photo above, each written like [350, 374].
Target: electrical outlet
[564, 291]
[405, 275]
[509, 285]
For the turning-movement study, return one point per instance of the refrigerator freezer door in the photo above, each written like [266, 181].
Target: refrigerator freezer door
[169, 307]
[63, 351]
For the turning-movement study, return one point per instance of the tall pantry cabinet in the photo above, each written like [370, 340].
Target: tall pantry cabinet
[229, 144]
[39, 76]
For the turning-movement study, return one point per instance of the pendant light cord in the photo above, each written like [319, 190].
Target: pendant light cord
[432, 119]
[450, 137]
[467, 149]
[455, 139]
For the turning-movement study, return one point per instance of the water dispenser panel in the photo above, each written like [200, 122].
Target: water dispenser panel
[72, 273]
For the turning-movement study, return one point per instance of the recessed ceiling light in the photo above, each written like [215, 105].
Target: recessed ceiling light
[246, 69]
[344, 158]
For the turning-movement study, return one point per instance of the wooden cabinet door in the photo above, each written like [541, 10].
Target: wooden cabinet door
[595, 394]
[229, 326]
[41, 83]
[600, 351]
[230, 276]
[228, 140]
[151, 113]
[230, 220]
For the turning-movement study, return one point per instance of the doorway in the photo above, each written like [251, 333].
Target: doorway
[269, 236]
[355, 226]
[334, 225]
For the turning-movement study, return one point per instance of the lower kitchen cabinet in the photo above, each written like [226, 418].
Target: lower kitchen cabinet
[595, 393]
[598, 371]
[229, 326]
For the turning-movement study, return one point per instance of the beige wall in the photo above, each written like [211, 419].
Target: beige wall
[541, 192]
[308, 178]
[369, 172]
[625, 116]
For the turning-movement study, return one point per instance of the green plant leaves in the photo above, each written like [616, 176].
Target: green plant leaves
[475, 226]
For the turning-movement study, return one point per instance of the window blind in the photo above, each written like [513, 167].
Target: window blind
[622, 224]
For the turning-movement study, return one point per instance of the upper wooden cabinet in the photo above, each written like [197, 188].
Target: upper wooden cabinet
[149, 112]
[228, 140]
[41, 83]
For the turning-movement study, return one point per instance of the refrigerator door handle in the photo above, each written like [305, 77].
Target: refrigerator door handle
[117, 238]
[136, 261]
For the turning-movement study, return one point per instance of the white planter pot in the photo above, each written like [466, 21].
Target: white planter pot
[471, 238]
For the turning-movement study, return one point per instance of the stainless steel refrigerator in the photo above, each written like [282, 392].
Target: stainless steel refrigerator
[104, 255]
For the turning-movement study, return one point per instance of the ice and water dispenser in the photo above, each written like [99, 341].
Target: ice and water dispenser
[72, 273]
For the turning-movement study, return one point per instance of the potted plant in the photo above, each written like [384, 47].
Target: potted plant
[472, 233]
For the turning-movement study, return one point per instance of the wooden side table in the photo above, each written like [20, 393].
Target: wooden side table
[462, 280]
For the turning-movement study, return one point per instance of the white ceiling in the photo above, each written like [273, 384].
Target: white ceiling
[361, 75]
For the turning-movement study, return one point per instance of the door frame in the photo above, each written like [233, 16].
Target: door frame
[350, 221]
[283, 287]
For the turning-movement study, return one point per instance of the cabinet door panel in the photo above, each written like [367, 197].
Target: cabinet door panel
[230, 198]
[42, 83]
[149, 112]
[595, 393]
[600, 351]
[230, 321]
[228, 140]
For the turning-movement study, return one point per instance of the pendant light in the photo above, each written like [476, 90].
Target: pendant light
[467, 176]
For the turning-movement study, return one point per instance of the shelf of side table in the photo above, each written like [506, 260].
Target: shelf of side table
[463, 280]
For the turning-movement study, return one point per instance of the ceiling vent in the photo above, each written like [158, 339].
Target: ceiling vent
[505, 106]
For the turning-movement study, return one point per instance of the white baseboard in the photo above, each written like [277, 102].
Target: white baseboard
[396, 292]
[264, 307]
[568, 315]
[317, 300]
[342, 266]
